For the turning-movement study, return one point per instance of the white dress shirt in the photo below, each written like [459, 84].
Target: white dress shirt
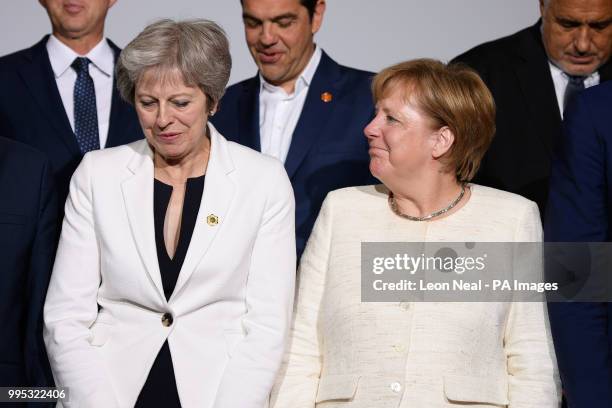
[101, 71]
[560, 79]
[279, 111]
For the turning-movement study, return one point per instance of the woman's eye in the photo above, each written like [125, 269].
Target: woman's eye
[390, 119]
[146, 104]
[181, 104]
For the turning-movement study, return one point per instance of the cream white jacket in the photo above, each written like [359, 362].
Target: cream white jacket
[344, 353]
[232, 302]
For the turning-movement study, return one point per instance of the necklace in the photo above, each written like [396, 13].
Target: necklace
[396, 210]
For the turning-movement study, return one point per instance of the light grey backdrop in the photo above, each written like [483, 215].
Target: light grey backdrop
[367, 34]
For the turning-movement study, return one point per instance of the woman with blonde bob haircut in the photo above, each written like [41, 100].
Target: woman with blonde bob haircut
[432, 126]
[172, 245]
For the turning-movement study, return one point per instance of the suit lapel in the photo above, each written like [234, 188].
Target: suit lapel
[117, 120]
[315, 113]
[536, 83]
[138, 198]
[38, 77]
[605, 72]
[218, 193]
[122, 114]
[248, 122]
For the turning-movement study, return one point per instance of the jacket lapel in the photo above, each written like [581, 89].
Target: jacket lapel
[315, 113]
[605, 72]
[248, 122]
[38, 77]
[537, 85]
[219, 190]
[138, 198]
[122, 114]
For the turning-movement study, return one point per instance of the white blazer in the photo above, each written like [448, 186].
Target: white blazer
[344, 353]
[232, 303]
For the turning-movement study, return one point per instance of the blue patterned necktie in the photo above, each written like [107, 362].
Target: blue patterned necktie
[85, 111]
[575, 84]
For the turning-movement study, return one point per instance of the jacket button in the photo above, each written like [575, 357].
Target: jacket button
[167, 319]
[396, 387]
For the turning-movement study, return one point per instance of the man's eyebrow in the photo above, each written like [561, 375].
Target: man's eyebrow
[275, 19]
[247, 16]
[601, 23]
[570, 21]
[565, 20]
[292, 16]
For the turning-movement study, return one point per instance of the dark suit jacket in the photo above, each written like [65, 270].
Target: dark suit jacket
[28, 234]
[516, 70]
[328, 148]
[31, 111]
[580, 210]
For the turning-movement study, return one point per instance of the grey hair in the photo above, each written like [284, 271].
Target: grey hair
[197, 48]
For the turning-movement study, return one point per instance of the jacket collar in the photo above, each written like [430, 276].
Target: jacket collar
[315, 114]
[219, 189]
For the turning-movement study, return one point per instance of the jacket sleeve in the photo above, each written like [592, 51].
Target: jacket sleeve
[533, 379]
[577, 211]
[298, 381]
[71, 305]
[250, 373]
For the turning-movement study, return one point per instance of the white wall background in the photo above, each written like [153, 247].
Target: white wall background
[367, 34]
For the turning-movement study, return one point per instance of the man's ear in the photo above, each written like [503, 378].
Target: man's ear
[444, 139]
[317, 17]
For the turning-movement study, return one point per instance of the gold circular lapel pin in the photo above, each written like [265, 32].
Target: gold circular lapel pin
[326, 97]
[212, 220]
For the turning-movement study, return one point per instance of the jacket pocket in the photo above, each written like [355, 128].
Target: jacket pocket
[101, 330]
[337, 388]
[467, 389]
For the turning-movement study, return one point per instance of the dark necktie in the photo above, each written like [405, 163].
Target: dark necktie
[574, 86]
[85, 111]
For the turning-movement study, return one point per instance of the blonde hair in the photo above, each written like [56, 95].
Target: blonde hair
[449, 95]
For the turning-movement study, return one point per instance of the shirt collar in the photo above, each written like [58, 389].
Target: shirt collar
[61, 56]
[303, 80]
[558, 73]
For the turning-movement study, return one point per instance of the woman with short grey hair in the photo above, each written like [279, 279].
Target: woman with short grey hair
[198, 49]
[172, 246]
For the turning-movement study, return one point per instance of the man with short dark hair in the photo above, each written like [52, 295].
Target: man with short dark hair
[302, 107]
[532, 75]
[59, 95]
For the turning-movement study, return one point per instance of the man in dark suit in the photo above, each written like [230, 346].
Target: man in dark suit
[28, 235]
[580, 210]
[532, 74]
[302, 107]
[61, 108]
